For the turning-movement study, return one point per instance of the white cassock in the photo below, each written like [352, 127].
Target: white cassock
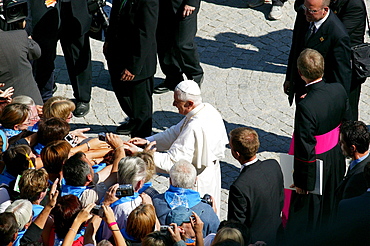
[200, 139]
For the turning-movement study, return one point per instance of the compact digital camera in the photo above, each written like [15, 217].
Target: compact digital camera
[124, 190]
[164, 229]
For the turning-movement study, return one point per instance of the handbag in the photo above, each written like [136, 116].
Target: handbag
[361, 60]
[361, 57]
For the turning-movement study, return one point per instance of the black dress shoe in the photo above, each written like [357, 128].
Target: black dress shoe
[82, 108]
[160, 89]
[126, 128]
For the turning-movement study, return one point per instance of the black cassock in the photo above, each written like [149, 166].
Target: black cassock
[316, 136]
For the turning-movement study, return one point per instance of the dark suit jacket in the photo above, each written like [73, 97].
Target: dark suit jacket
[352, 13]
[332, 41]
[353, 184]
[16, 49]
[323, 109]
[256, 198]
[131, 37]
[354, 221]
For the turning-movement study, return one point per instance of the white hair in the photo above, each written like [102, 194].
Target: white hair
[183, 175]
[22, 210]
[24, 100]
[183, 96]
[131, 170]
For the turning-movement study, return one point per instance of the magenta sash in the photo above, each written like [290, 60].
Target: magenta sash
[324, 142]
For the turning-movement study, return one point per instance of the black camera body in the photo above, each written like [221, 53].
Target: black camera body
[207, 199]
[164, 229]
[13, 10]
[102, 136]
[97, 210]
[124, 190]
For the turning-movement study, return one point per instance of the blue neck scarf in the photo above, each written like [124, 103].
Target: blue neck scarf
[125, 199]
[36, 210]
[73, 190]
[38, 148]
[98, 167]
[17, 241]
[6, 178]
[145, 186]
[34, 128]
[5, 140]
[128, 237]
[176, 196]
[10, 132]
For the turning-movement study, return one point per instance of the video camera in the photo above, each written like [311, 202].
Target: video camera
[100, 20]
[13, 10]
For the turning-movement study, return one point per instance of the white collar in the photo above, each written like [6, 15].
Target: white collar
[248, 163]
[319, 22]
[314, 82]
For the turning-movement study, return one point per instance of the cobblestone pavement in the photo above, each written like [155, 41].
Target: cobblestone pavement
[244, 57]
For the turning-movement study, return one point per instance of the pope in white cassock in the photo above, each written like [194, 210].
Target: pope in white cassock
[199, 138]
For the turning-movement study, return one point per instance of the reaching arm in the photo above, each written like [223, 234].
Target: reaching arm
[82, 216]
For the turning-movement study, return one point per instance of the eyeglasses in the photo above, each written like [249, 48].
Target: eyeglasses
[311, 11]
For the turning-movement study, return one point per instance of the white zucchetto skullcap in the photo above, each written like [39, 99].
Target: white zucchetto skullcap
[190, 87]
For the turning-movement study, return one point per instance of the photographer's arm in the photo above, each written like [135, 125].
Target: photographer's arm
[119, 152]
[34, 232]
[82, 216]
[197, 225]
[110, 219]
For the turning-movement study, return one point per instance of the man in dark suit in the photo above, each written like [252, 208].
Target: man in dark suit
[74, 39]
[352, 13]
[15, 51]
[316, 136]
[44, 26]
[256, 197]
[318, 28]
[130, 50]
[354, 217]
[354, 140]
[177, 51]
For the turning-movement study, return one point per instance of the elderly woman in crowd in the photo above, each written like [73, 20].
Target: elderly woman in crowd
[34, 111]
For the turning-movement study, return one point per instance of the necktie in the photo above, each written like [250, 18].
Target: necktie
[311, 31]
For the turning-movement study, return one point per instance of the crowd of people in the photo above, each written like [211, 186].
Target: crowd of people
[59, 187]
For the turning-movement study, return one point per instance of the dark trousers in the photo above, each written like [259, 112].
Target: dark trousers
[177, 51]
[77, 54]
[45, 33]
[135, 99]
[354, 95]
